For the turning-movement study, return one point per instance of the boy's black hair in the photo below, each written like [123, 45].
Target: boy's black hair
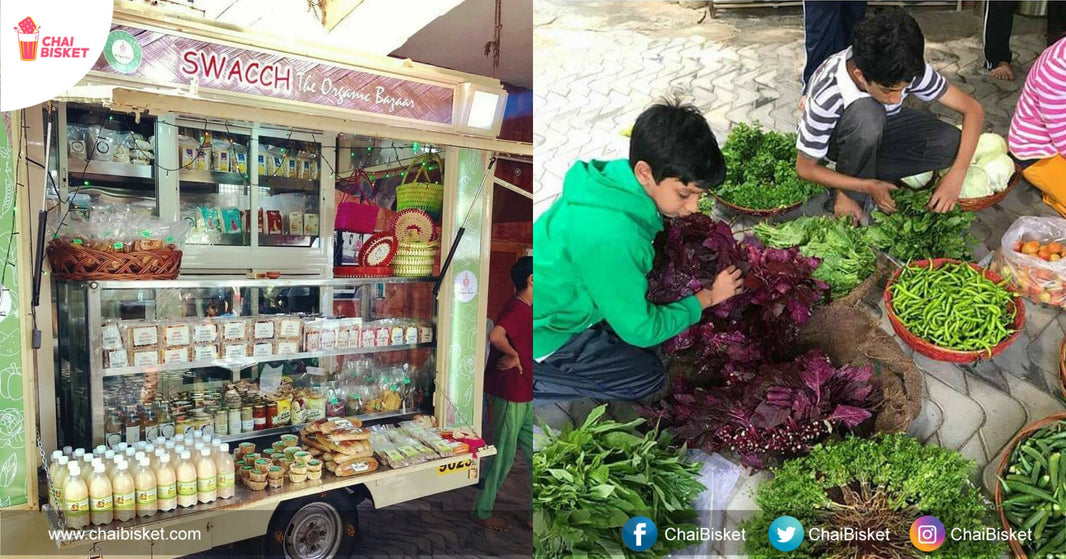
[520, 272]
[889, 48]
[676, 142]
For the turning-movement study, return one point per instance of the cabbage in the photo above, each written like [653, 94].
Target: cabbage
[976, 184]
[919, 180]
[999, 170]
[989, 145]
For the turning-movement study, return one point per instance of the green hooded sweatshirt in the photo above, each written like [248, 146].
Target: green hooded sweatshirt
[593, 252]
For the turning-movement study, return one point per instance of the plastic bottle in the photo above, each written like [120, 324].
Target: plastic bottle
[99, 451]
[185, 471]
[55, 456]
[206, 477]
[159, 453]
[149, 452]
[165, 479]
[86, 468]
[78, 453]
[130, 453]
[125, 490]
[179, 439]
[147, 491]
[120, 448]
[109, 462]
[59, 474]
[224, 468]
[68, 451]
[101, 500]
[169, 448]
[160, 441]
[76, 499]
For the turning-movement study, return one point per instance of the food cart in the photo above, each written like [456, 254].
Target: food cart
[173, 83]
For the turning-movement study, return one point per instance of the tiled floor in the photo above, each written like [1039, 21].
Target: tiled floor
[597, 65]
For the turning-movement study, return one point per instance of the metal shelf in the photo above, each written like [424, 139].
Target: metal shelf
[286, 429]
[208, 283]
[82, 170]
[211, 177]
[288, 183]
[239, 364]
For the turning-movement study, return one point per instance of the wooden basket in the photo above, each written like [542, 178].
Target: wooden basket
[942, 353]
[773, 212]
[83, 263]
[985, 202]
[1025, 433]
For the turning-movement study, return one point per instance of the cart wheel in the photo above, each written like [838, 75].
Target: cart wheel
[316, 527]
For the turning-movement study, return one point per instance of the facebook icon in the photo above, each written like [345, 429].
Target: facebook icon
[639, 533]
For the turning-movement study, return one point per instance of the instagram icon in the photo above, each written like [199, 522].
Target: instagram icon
[927, 533]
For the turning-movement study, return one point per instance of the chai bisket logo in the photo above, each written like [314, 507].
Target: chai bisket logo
[29, 36]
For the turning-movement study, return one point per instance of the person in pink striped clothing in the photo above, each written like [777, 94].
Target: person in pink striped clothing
[1037, 137]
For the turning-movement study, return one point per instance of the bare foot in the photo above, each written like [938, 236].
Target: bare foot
[494, 523]
[1003, 71]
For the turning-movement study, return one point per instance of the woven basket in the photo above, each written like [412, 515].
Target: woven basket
[362, 271]
[985, 202]
[773, 212]
[415, 259]
[73, 262]
[1025, 433]
[941, 353]
[1062, 365]
[420, 193]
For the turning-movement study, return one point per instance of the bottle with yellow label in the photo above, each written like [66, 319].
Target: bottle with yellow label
[166, 483]
[206, 477]
[185, 471]
[122, 485]
[227, 480]
[101, 500]
[76, 499]
[144, 483]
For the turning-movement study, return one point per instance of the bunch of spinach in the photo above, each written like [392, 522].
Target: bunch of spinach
[761, 169]
[587, 482]
[913, 232]
[884, 483]
[846, 258]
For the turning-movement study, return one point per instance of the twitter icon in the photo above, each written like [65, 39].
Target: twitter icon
[786, 533]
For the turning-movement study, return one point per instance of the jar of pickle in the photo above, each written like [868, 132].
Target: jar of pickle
[221, 422]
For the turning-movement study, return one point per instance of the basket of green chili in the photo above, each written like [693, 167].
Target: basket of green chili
[1031, 489]
[953, 311]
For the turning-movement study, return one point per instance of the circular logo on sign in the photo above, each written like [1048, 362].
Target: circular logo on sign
[466, 286]
[123, 52]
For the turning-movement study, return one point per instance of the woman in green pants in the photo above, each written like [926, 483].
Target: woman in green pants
[509, 385]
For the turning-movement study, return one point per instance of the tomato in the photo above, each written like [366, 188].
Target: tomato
[1055, 247]
[1031, 247]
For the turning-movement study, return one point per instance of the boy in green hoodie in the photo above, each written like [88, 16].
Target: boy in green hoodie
[593, 329]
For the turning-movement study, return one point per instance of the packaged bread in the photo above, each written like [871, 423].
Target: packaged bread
[111, 335]
[410, 334]
[360, 467]
[343, 328]
[328, 426]
[205, 352]
[360, 452]
[145, 357]
[205, 332]
[348, 434]
[263, 348]
[176, 334]
[313, 335]
[234, 329]
[289, 328]
[236, 350]
[382, 336]
[396, 333]
[263, 329]
[115, 358]
[177, 355]
[329, 335]
[369, 337]
[140, 334]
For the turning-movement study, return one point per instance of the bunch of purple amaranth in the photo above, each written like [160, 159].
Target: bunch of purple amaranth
[771, 412]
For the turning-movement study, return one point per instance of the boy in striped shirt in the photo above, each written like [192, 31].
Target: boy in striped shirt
[855, 117]
[1038, 129]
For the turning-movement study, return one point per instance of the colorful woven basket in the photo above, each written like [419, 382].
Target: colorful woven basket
[415, 259]
[75, 262]
[946, 354]
[420, 193]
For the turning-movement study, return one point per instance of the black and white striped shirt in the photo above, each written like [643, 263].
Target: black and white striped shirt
[831, 91]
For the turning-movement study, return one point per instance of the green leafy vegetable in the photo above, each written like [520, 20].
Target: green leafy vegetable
[913, 232]
[884, 483]
[589, 481]
[846, 258]
[761, 169]
[706, 204]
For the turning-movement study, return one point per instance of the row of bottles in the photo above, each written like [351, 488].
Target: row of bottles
[138, 423]
[101, 487]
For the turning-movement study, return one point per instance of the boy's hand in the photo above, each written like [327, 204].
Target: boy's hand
[508, 362]
[947, 193]
[845, 206]
[881, 192]
[727, 284]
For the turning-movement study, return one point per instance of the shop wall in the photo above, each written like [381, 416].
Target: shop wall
[13, 472]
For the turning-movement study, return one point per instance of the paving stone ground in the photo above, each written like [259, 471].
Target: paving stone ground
[597, 65]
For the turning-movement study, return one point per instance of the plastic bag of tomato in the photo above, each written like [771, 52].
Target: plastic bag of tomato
[1033, 256]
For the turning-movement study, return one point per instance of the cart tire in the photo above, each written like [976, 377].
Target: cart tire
[316, 527]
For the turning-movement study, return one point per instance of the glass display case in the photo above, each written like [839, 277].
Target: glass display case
[239, 358]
